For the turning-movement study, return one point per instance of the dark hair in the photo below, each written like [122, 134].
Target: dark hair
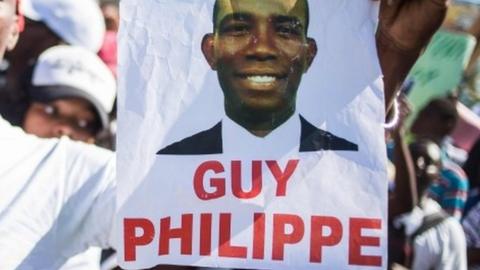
[216, 10]
[443, 107]
[445, 111]
[471, 166]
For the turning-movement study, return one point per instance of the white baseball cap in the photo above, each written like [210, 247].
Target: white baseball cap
[77, 22]
[74, 72]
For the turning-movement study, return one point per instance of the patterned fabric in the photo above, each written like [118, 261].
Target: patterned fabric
[471, 225]
[451, 190]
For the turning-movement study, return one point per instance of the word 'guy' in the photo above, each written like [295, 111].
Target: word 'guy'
[217, 184]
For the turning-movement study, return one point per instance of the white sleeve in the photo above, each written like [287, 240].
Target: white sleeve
[60, 199]
[98, 221]
[456, 257]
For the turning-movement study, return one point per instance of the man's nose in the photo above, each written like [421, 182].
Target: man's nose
[262, 45]
[63, 129]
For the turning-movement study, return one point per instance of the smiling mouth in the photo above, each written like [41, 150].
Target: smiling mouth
[262, 79]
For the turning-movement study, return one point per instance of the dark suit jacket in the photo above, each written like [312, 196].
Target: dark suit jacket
[210, 141]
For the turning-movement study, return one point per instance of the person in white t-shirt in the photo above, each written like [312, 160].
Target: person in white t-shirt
[441, 244]
[57, 198]
[71, 94]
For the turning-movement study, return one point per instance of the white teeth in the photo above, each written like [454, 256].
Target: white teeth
[261, 79]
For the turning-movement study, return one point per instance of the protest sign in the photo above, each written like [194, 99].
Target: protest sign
[467, 129]
[440, 69]
[247, 139]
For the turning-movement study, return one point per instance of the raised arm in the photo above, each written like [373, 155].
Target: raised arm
[405, 196]
[404, 30]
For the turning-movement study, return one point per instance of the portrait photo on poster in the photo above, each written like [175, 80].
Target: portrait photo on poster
[259, 61]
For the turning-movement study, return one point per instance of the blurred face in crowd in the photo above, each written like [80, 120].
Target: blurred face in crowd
[426, 125]
[74, 118]
[260, 51]
[436, 120]
[427, 161]
[9, 29]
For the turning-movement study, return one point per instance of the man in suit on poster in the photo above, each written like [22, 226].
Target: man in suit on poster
[260, 51]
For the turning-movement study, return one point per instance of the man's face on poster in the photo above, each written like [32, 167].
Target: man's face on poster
[260, 51]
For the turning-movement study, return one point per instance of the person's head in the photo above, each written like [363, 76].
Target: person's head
[49, 23]
[78, 23]
[436, 120]
[72, 91]
[426, 158]
[260, 50]
[472, 165]
[53, 22]
[9, 25]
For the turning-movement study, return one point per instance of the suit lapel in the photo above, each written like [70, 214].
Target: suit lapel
[313, 139]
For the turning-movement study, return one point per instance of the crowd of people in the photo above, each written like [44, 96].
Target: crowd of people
[58, 83]
[431, 196]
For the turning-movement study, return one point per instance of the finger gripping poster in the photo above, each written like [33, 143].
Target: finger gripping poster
[250, 136]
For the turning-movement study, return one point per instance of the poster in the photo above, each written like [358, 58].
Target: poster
[250, 135]
[440, 69]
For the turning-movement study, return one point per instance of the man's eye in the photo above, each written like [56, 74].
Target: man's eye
[288, 30]
[236, 29]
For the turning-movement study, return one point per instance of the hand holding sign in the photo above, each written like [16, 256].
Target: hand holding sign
[411, 24]
[404, 30]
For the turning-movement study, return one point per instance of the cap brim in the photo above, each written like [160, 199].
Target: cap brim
[54, 92]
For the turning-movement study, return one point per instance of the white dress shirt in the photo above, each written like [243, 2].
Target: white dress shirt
[238, 140]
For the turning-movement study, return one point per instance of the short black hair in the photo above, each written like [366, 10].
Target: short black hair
[443, 107]
[216, 9]
[444, 111]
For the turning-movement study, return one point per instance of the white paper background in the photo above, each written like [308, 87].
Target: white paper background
[167, 93]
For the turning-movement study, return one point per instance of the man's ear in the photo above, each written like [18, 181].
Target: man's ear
[13, 34]
[311, 52]
[208, 49]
